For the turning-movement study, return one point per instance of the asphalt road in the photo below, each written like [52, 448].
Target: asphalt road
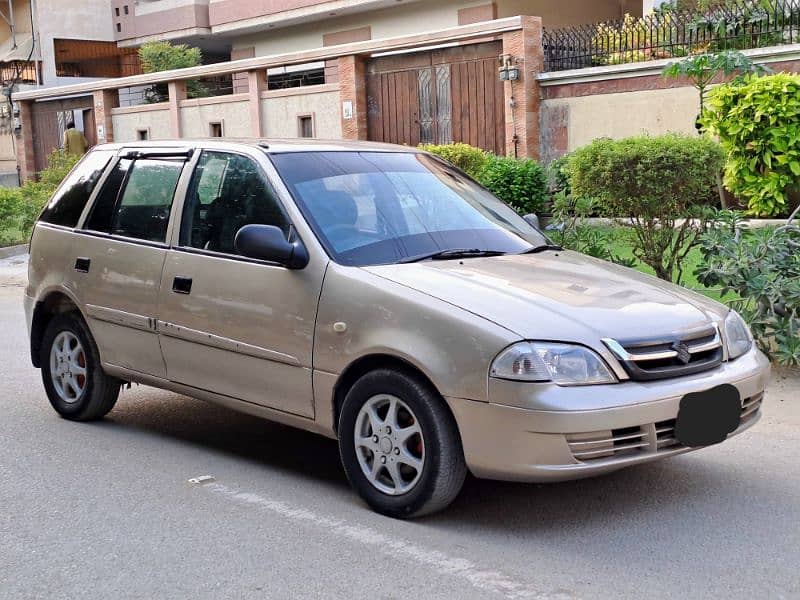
[107, 511]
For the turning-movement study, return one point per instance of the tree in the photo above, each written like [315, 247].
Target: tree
[702, 70]
[163, 56]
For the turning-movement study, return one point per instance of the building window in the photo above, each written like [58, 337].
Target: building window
[305, 126]
[216, 129]
[143, 134]
[126, 9]
[119, 27]
[281, 78]
[95, 58]
[116, 11]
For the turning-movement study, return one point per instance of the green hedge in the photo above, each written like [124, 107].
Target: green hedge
[20, 207]
[655, 181]
[520, 183]
[758, 124]
[469, 159]
[647, 176]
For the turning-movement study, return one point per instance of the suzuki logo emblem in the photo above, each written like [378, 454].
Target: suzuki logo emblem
[684, 355]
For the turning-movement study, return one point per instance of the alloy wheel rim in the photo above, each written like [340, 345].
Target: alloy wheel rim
[68, 367]
[389, 445]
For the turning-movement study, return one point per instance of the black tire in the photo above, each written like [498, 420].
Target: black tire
[444, 468]
[100, 391]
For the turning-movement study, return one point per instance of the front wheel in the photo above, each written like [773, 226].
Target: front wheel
[77, 386]
[400, 446]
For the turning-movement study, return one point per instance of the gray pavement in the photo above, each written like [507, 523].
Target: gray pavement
[107, 511]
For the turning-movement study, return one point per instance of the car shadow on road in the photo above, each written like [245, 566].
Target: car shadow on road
[215, 428]
[643, 495]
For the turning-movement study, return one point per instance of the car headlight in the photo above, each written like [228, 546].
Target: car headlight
[562, 364]
[738, 337]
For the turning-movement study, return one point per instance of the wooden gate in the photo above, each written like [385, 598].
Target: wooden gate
[50, 121]
[438, 96]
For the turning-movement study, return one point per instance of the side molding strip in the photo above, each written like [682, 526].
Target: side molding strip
[223, 343]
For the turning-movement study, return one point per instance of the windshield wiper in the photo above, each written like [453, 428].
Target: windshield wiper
[543, 248]
[452, 255]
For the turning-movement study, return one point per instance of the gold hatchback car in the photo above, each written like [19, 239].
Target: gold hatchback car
[376, 295]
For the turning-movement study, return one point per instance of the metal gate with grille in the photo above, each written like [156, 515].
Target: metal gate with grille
[438, 96]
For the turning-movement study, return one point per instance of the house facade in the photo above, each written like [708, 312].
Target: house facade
[406, 72]
[45, 43]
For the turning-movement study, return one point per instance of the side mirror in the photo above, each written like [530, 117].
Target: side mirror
[533, 220]
[267, 242]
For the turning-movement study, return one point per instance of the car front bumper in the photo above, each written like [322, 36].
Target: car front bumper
[542, 432]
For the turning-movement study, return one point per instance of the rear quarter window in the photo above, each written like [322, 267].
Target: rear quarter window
[67, 204]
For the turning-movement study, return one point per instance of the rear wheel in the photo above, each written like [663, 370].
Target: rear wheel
[76, 385]
[400, 445]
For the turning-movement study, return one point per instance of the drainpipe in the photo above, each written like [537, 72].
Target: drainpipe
[11, 23]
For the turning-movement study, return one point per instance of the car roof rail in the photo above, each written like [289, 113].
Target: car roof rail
[140, 153]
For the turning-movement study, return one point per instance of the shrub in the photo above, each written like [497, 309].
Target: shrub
[653, 182]
[164, 56]
[758, 124]
[559, 175]
[763, 268]
[20, 207]
[520, 183]
[469, 159]
[571, 230]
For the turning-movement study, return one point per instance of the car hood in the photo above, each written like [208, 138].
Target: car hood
[561, 296]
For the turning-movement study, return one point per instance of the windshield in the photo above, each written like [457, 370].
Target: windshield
[371, 208]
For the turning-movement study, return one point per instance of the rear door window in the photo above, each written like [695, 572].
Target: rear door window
[141, 210]
[67, 204]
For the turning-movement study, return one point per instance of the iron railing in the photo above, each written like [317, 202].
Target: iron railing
[672, 33]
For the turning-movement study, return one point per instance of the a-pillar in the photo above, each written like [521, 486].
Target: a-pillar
[523, 96]
[353, 92]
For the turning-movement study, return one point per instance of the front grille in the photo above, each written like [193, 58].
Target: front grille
[644, 439]
[675, 356]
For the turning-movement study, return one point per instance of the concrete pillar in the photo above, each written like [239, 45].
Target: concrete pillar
[353, 91]
[26, 157]
[523, 97]
[256, 83]
[104, 101]
[177, 94]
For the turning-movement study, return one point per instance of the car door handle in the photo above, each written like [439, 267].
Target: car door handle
[182, 285]
[82, 265]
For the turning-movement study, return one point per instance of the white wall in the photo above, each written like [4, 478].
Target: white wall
[83, 20]
[126, 124]
[196, 119]
[417, 17]
[625, 114]
[281, 114]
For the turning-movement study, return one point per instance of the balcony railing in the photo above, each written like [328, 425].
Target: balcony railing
[670, 33]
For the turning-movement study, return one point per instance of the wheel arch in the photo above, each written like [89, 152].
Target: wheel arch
[373, 362]
[54, 303]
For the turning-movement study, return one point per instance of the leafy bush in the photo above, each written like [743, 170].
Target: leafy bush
[20, 207]
[763, 268]
[570, 229]
[469, 159]
[758, 124]
[520, 183]
[164, 56]
[656, 184]
[559, 175]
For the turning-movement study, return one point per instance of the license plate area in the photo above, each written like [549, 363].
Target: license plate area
[708, 418]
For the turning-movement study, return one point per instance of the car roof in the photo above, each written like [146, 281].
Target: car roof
[272, 146]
